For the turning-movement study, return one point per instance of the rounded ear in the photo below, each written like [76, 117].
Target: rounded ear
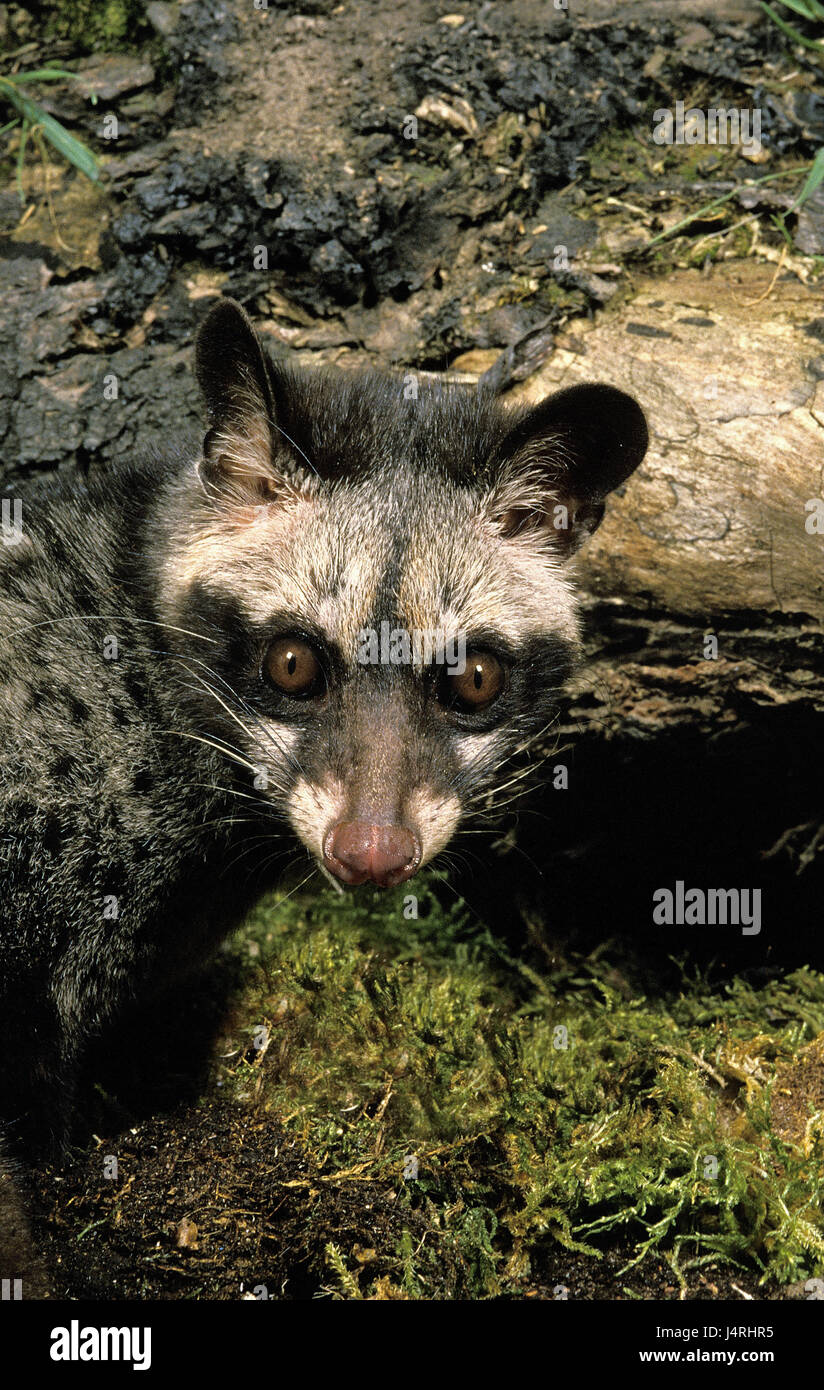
[232, 374]
[562, 457]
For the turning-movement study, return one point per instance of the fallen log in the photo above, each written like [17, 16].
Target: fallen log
[720, 533]
[694, 734]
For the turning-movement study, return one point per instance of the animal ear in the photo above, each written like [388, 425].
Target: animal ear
[233, 377]
[562, 457]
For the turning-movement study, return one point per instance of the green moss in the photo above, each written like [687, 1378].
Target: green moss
[621, 153]
[540, 1108]
[424, 174]
[104, 25]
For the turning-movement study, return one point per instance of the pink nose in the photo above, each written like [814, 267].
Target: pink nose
[355, 851]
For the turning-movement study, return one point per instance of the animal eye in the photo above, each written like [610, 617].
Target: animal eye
[477, 686]
[291, 666]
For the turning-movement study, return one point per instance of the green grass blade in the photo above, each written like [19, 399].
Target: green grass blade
[40, 75]
[815, 44]
[725, 198]
[24, 136]
[71, 148]
[813, 181]
[808, 9]
[63, 141]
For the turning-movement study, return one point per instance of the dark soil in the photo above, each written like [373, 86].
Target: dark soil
[213, 1202]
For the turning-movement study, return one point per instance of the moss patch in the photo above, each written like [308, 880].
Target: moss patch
[106, 25]
[536, 1108]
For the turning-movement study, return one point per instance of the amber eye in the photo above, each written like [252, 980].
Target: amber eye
[291, 666]
[477, 686]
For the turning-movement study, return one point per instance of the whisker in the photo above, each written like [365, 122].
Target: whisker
[210, 743]
[282, 749]
[107, 618]
[234, 791]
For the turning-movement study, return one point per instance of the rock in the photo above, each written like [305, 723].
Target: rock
[112, 75]
[809, 236]
[186, 1234]
[164, 18]
[695, 36]
[340, 274]
[557, 231]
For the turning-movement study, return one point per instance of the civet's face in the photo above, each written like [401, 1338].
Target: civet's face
[382, 581]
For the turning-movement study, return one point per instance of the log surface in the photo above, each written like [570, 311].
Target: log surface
[710, 537]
